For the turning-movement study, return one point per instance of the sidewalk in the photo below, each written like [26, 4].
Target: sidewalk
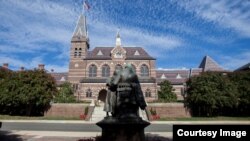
[152, 122]
[68, 136]
[75, 134]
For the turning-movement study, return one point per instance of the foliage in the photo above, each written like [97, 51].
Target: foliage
[212, 94]
[242, 81]
[153, 111]
[65, 94]
[166, 93]
[26, 92]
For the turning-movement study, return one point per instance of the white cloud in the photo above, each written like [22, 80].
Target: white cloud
[103, 34]
[57, 68]
[234, 62]
[228, 14]
[16, 63]
[30, 24]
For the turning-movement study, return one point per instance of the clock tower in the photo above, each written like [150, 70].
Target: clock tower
[118, 53]
[78, 51]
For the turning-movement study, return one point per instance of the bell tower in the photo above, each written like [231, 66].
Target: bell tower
[78, 51]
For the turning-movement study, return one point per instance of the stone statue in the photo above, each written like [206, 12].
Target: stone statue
[124, 94]
[123, 100]
[110, 101]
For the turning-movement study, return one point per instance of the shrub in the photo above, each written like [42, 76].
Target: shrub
[26, 92]
[166, 93]
[211, 94]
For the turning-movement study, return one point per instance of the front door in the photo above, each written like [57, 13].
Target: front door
[102, 95]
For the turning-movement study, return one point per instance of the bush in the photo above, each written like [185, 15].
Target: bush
[26, 92]
[65, 94]
[212, 94]
[166, 93]
[242, 82]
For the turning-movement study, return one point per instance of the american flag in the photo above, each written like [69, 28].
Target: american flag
[86, 5]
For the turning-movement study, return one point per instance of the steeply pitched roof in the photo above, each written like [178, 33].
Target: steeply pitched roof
[130, 51]
[80, 29]
[173, 76]
[244, 67]
[208, 64]
[178, 76]
[60, 77]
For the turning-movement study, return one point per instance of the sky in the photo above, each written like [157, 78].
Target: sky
[178, 33]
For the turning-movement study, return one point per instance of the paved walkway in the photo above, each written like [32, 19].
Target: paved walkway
[66, 136]
[152, 122]
[21, 135]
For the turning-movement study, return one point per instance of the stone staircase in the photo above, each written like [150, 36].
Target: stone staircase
[98, 113]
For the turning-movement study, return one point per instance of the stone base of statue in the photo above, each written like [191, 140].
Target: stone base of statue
[125, 129]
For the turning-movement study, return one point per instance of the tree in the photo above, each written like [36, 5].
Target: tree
[27, 92]
[211, 94]
[65, 94]
[242, 81]
[166, 93]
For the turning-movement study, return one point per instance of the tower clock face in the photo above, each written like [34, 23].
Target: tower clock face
[76, 65]
[118, 54]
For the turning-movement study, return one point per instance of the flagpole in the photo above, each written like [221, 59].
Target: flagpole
[83, 12]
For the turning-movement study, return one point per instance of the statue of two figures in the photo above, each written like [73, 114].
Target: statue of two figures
[124, 95]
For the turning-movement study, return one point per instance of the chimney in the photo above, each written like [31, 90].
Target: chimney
[22, 68]
[6, 65]
[41, 66]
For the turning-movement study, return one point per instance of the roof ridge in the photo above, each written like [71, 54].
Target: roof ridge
[209, 64]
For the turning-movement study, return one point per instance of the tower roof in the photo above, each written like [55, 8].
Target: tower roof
[81, 27]
[118, 39]
[208, 64]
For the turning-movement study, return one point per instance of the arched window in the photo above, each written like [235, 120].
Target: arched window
[88, 93]
[105, 71]
[75, 54]
[144, 70]
[92, 70]
[118, 67]
[148, 93]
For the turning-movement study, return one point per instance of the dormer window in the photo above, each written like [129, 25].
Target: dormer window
[178, 76]
[163, 76]
[137, 53]
[99, 53]
[62, 79]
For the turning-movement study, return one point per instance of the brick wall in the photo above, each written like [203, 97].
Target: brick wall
[165, 110]
[65, 110]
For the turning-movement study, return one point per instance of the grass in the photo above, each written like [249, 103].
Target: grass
[207, 119]
[8, 117]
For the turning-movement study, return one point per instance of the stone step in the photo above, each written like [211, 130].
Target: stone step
[143, 114]
[98, 114]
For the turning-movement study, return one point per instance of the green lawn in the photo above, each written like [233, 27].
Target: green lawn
[207, 119]
[7, 117]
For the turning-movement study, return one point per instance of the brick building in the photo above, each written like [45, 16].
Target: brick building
[89, 69]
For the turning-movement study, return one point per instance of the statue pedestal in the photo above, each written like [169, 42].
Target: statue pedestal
[129, 129]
